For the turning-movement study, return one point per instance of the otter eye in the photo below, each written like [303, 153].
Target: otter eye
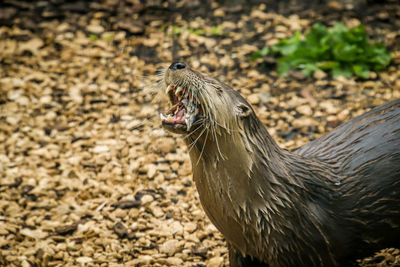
[243, 110]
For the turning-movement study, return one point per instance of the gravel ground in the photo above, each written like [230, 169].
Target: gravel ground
[89, 178]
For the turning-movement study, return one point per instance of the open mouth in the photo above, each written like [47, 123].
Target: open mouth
[184, 111]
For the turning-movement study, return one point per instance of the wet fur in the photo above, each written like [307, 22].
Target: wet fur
[328, 203]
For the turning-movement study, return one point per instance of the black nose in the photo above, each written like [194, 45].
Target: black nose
[177, 66]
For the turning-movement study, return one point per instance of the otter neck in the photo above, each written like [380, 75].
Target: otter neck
[236, 156]
[251, 194]
[224, 167]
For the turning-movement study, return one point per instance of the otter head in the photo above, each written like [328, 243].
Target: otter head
[199, 100]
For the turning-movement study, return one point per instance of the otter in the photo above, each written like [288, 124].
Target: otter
[327, 203]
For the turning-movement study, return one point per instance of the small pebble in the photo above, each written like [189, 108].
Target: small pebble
[120, 230]
[97, 29]
[170, 247]
[216, 262]
[253, 99]
[147, 199]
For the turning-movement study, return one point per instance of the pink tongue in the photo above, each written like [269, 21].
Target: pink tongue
[180, 114]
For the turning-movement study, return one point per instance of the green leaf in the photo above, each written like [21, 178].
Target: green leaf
[309, 69]
[342, 71]
[283, 68]
[217, 30]
[108, 37]
[346, 52]
[197, 31]
[260, 53]
[356, 35]
[360, 71]
[287, 46]
[338, 29]
[93, 37]
[378, 56]
[328, 65]
[176, 30]
[343, 51]
[314, 36]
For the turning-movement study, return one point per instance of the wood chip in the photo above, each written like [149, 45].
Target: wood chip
[127, 204]
[66, 229]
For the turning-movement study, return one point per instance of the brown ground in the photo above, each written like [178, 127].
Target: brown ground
[88, 177]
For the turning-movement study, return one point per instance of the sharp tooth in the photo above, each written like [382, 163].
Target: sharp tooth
[192, 107]
[178, 89]
[162, 117]
[192, 119]
[187, 124]
[169, 88]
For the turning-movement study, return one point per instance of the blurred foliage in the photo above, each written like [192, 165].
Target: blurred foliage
[93, 37]
[107, 37]
[343, 51]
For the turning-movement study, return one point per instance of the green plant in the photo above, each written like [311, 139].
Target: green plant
[343, 51]
[108, 37]
[197, 31]
[178, 30]
[93, 37]
[217, 30]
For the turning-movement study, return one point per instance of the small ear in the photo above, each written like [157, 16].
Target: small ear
[243, 110]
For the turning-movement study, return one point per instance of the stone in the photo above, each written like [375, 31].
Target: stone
[305, 110]
[157, 211]
[170, 247]
[304, 122]
[189, 227]
[176, 228]
[329, 107]
[101, 149]
[174, 261]
[84, 260]
[253, 99]
[216, 262]
[319, 75]
[165, 145]
[120, 230]
[335, 5]
[147, 199]
[97, 29]
[35, 234]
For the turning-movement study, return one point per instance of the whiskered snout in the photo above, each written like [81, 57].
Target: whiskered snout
[182, 95]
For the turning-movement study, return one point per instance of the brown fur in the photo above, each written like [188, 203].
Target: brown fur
[322, 205]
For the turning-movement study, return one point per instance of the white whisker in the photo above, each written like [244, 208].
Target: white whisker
[202, 149]
[192, 145]
[189, 134]
[216, 141]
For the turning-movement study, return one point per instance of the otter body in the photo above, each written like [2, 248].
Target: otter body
[327, 203]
